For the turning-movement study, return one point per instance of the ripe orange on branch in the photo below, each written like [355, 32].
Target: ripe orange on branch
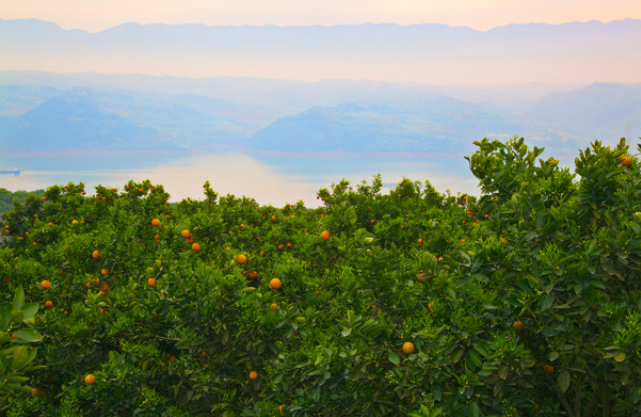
[241, 259]
[275, 283]
[155, 222]
[325, 235]
[408, 347]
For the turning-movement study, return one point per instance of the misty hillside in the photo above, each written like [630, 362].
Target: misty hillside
[41, 111]
[439, 125]
[426, 53]
[73, 122]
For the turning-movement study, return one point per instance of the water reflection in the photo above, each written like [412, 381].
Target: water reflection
[270, 179]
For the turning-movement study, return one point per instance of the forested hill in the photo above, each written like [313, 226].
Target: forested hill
[7, 197]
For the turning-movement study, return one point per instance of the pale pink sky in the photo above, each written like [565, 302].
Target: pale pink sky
[96, 15]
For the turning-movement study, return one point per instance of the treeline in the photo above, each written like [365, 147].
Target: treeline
[7, 197]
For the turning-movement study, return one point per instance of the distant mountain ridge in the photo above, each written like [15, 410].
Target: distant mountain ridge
[428, 53]
[106, 112]
[73, 121]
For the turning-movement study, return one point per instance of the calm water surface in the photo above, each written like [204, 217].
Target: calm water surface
[269, 178]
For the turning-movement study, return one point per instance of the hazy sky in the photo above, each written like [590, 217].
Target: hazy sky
[96, 15]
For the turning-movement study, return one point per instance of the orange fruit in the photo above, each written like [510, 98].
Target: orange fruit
[420, 240]
[104, 271]
[518, 326]
[90, 379]
[36, 392]
[185, 234]
[280, 408]
[275, 283]
[74, 222]
[408, 347]
[172, 358]
[155, 222]
[203, 354]
[253, 375]
[626, 161]
[151, 282]
[325, 235]
[280, 247]
[96, 254]
[462, 240]
[48, 304]
[241, 259]
[549, 369]
[274, 306]
[252, 275]
[45, 284]
[195, 247]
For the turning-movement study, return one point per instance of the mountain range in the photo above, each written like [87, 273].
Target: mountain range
[42, 111]
[436, 54]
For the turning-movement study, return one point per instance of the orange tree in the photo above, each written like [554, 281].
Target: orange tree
[522, 302]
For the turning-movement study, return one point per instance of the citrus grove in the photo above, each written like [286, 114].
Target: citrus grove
[523, 302]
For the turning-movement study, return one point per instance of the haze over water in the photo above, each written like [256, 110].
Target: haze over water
[401, 96]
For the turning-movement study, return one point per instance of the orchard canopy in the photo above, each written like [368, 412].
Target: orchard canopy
[524, 301]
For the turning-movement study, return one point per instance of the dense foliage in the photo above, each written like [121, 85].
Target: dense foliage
[7, 197]
[524, 302]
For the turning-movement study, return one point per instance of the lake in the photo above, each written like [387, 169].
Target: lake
[270, 178]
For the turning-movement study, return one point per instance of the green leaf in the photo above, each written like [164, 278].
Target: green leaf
[30, 311]
[475, 409]
[620, 357]
[393, 357]
[18, 300]
[563, 380]
[5, 316]
[634, 395]
[20, 356]
[17, 315]
[553, 356]
[457, 355]
[278, 378]
[28, 335]
[346, 332]
[546, 301]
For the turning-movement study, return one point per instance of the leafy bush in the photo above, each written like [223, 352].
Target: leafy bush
[523, 302]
